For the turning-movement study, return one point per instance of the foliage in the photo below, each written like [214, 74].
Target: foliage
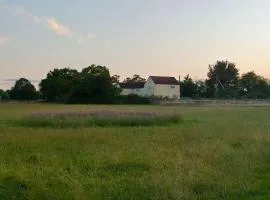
[222, 80]
[23, 90]
[59, 84]
[193, 89]
[201, 89]
[92, 85]
[95, 86]
[252, 85]
[188, 87]
[115, 79]
[4, 95]
[134, 99]
[135, 79]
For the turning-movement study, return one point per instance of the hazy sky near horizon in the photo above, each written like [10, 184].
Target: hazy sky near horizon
[147, 37]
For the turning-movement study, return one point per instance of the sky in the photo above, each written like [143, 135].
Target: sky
[146, 37]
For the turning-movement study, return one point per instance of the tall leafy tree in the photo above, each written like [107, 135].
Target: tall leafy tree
[95, 86]
[222, 80]
[188, 87]
[193, 89]
[23, 90]
[252, 85]
[92, 85]
[59, 84]
[201, 89]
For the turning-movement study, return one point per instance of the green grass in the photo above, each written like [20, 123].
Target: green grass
[216, 153]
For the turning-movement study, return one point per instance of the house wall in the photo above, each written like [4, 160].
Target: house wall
[138, 91]
[149, 88]
[152, 89]
[170, 91]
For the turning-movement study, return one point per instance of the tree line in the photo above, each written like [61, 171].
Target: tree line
[224, 82]
[94, 84]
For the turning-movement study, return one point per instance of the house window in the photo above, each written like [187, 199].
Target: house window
[172, 86]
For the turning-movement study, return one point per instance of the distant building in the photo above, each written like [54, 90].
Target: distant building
[160, 86]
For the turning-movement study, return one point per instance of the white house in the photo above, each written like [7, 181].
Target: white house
[160, 86]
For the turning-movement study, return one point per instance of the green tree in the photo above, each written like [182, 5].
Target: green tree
[23, 90]
[4, 95]
[115, 79]
[188, 87]
[201, 89]
[95, 86]
[252, 85]
[222, 80]
[135, 79]
[92, 85]
[59, 84]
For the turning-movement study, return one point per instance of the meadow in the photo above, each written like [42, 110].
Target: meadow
[212, 153]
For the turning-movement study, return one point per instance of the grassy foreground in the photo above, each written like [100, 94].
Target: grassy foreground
[216, 153]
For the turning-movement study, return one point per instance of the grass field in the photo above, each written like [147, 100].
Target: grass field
[215, 153]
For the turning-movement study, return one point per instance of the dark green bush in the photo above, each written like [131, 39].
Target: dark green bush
[134, 99]
[4, 95]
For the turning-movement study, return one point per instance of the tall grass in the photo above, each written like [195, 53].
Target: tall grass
[223, 154]
[100, 119]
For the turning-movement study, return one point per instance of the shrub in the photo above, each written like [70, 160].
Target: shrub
[4, 95]
[134, 99]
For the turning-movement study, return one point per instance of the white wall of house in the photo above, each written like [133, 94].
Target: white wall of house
[138, 91]
[170, 91]
[152, 89]
[149, 87]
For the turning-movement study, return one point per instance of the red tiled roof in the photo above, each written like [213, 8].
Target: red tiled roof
[164, 80]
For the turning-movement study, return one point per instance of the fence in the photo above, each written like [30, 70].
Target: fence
[208, 102]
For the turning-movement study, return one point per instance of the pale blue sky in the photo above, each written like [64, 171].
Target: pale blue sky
[147, 37]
